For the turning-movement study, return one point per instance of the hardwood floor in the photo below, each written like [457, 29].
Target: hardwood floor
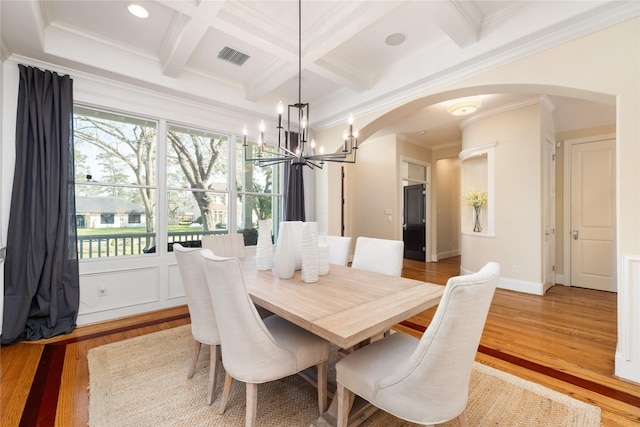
[564, 340]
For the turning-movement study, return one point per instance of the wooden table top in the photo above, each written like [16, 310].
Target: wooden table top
[346, 306]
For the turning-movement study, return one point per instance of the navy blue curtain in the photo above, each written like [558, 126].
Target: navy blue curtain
[294, 186]
[41, 287]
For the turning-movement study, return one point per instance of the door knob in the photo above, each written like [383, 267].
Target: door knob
[575, 234]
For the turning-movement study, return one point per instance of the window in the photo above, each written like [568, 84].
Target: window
[259, 193]
[206, 187]
[197, 183]
[107, 219]
[115, 167]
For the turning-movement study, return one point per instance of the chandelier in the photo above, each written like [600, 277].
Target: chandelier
[295, 147]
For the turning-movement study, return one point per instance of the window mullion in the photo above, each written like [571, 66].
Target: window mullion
[162, 203]
[232, 205]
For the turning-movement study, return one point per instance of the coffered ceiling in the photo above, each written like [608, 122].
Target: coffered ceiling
[346, 64]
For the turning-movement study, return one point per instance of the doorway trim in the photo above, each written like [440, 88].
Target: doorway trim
[566, 203]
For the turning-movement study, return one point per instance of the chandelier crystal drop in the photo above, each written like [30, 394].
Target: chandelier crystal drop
[294, 146]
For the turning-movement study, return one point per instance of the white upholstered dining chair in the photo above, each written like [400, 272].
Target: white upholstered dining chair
[229, 245]
[203, 321]
[339, 247]
[256, 350]
[226, 245]
[379, 255]
[426, 380]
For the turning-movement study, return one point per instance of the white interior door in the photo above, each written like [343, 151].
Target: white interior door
[593, 215]
[549, 214]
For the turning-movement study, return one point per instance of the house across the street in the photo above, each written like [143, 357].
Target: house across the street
[108, 212]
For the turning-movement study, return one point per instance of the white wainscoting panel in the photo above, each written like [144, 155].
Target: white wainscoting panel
[628, 351]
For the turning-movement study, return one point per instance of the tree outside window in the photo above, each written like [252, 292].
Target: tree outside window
[259, 193]
[115, 166]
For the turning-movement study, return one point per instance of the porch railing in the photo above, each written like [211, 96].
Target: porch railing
[118, 244]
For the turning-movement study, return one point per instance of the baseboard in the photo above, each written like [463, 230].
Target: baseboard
[447, 254]
[535, 288]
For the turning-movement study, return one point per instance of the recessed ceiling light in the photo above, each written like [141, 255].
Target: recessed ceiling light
[138, 10]
[463, 107]
[395, 39]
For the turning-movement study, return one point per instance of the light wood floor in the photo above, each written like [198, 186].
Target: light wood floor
[564, 340]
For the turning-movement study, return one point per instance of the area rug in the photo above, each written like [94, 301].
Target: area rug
[143, 382]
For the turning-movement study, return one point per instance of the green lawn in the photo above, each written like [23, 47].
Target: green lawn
[132, 230]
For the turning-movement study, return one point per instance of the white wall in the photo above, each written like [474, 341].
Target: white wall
[516, 241]
[373, 188]
[447, 201]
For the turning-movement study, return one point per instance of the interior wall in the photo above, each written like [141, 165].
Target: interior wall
[517, 242]
[373, 190]
[448, 203]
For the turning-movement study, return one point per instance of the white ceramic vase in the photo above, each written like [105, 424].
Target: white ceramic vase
[284, 262]
[309, 249]
[264, 248]
[323, 256]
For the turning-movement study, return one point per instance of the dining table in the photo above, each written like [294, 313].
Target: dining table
[347, 306]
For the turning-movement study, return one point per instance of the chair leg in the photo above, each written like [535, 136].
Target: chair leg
[213, 361]
[344, 406]
[225, 393]
[464, 422]
[194, 359]
[252, 404]
[322, 386]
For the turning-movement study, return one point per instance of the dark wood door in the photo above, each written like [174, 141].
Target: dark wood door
[414, 222]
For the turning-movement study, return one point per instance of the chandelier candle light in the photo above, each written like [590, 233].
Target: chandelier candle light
[296, 148]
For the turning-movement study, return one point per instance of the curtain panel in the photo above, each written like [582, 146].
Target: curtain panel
[41, 294]
[293, 185]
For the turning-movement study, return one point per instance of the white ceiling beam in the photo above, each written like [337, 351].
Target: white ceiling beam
[460, 20]
[347, 19]
[184, 35]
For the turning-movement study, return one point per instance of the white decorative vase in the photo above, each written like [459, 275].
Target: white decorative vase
[264, 248]
[309, 249]
[284, 262]
[323, 256]
[296, 228]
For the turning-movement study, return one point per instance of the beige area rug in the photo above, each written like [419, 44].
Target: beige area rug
[143, 382]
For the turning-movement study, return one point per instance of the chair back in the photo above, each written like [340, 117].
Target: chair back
[249, 351]
[379, 255]
[225, 245]
[339, 249]
[441, 365]
[204, 327]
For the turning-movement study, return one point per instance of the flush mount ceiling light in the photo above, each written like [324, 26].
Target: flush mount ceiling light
[138, 11]
[462, 108]
[395, 39]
